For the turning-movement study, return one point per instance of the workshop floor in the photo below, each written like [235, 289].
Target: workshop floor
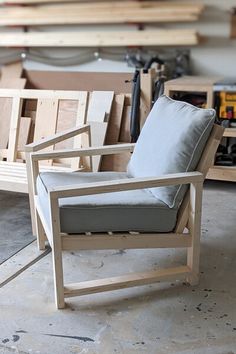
[159, 319]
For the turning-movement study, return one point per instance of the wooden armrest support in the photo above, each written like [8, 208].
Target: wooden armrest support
[92, 151]
[125, 184]
[56, 138]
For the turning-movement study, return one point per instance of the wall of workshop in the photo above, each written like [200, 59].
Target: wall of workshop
[215, 56]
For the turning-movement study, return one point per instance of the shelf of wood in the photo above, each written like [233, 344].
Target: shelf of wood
[100, 13]
[230, 132]
[195, 84]
[101, 38]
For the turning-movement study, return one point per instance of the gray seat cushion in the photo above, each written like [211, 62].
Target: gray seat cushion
[171, 141]
[137, 210]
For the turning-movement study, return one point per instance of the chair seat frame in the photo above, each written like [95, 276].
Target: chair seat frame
[186, 234]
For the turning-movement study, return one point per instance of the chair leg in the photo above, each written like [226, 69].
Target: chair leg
[193, 253]
[57, 255]
[40, 233]
[58, 277]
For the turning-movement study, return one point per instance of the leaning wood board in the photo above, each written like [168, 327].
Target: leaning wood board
[98, 115]
[101, 38]
[6, 106]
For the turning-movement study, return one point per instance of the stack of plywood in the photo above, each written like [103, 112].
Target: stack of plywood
[134, 12]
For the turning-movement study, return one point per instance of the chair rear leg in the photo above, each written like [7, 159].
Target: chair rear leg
[193, 252]
[40, 233]
[57, 254]
[58, 276]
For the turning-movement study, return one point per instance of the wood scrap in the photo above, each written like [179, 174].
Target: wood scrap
[98, 115]
[113, 130]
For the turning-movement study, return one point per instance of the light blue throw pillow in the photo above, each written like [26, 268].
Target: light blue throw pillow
[171, 141]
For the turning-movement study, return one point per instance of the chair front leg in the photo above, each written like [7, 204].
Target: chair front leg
[57, 254]
[195, 211]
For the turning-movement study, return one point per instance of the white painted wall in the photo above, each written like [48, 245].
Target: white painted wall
[216, 56]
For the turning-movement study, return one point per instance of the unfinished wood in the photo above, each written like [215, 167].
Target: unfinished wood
[99, 111]
[222, 173]
[25, 124]
[14, 128]
[180, 37]
[46, 120]
[194, 224]
[92, 151]
[146, 85]
[203, 167]
[125, 125]
[100, 104]
[125, 184]
[57, 254]
[230, 132]
[98, 135]
[6, 107]
[12, 71]
[125, 281]
[98, 4]
[125, 241]
[55, 139]
[115, 119]
[192, 207]
[102, 12]
[113, 129]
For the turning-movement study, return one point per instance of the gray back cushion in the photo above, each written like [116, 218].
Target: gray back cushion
[171, 141]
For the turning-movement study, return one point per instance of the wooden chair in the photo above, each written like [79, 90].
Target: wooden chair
[50, 221]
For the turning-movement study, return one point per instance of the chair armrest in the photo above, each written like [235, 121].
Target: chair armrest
[92, 151]
[56, 138]
[125, 184]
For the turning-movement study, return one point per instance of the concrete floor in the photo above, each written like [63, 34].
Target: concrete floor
[163, 318]
[15, 229]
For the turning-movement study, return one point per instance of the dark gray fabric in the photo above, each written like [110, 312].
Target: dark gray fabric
[171, 141]
[137, 210]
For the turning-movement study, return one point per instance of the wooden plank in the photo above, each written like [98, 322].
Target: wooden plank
[125, 125]
[98, 135]
[126, 281]
[113, 130]
[14, 128]
[25, 124]
[169, 37]
[12, 71]
[46, 120]
[6, 107]
[104, 12]
[126, 184]
[98, 4]
[222, 173]
[99, 110]
[125, 241]
[100, 103]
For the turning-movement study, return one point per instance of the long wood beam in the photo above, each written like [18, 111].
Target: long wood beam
[100, 13]
[101, 39]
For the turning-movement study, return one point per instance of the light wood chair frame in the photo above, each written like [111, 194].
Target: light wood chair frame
[186, 234]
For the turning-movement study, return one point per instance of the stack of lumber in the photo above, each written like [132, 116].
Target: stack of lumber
[101, 13]
[50, 13]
